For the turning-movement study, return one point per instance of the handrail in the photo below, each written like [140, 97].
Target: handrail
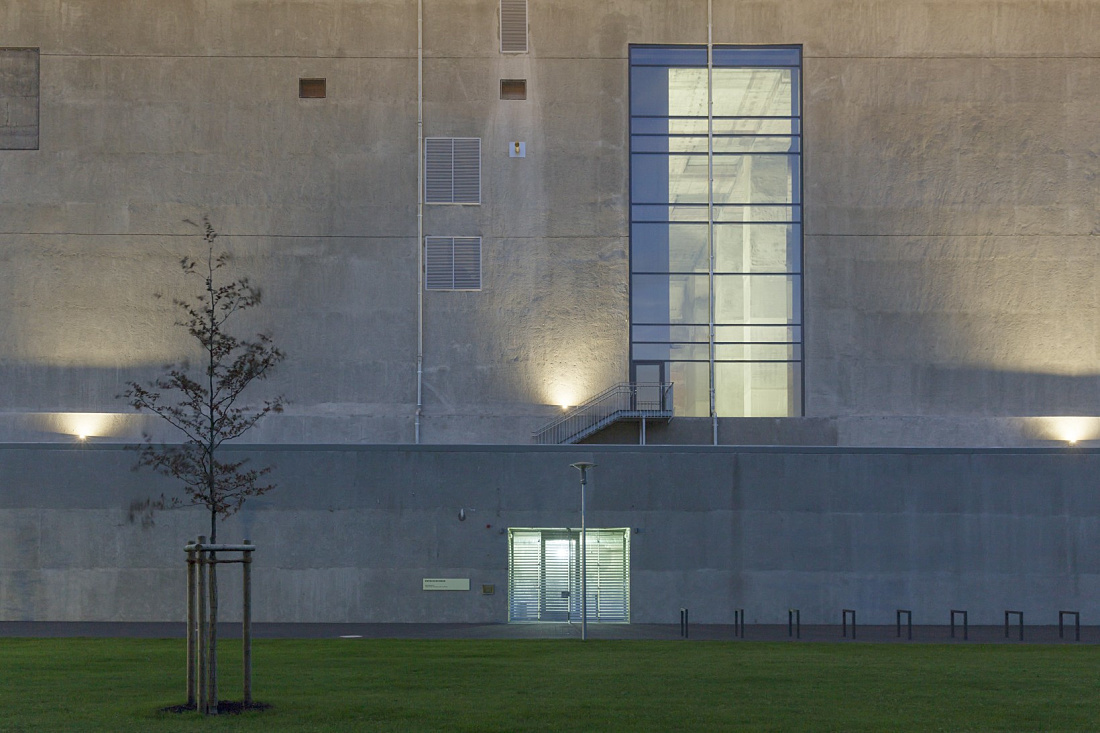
[627, 399]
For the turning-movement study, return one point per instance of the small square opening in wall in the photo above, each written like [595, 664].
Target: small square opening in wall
[513, 89]
[312, 89]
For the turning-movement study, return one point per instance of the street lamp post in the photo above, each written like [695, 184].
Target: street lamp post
[583, 467]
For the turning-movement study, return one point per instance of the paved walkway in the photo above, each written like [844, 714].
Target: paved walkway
[696, 632]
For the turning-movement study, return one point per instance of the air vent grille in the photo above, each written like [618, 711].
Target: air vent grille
[452, 263]
[452, 170]
[513, 26]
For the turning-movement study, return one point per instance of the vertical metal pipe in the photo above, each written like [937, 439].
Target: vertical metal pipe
[419, 217]
[246, 622]
[583, 467]
[201, 634]
[191, 609]
[584, 565]
[710, 210]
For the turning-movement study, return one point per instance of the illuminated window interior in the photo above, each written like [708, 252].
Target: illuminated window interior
[544, 575]
[716, 268]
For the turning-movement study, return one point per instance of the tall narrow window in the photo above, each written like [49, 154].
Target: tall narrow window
[716, 226]
[452, 170]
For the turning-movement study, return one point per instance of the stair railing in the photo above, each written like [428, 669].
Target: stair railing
[627, 399]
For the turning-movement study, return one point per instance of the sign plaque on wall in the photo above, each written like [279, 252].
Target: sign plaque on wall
[446, 584]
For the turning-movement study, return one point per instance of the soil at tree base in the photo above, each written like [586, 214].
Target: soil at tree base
[225, 707]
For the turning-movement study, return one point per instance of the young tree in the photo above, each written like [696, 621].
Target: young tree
[204, 404]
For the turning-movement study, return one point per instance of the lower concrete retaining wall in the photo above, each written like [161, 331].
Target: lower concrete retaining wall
[351, 532]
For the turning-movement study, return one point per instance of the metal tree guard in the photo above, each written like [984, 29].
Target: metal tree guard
[202, 681]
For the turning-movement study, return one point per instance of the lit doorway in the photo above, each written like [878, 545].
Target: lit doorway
[544, 578]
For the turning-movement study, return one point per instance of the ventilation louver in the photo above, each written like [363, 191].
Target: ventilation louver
[513, 26]
[452, 263]
[452, 170]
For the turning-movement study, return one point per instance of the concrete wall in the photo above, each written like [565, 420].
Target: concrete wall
[351, 532]
[951, 152]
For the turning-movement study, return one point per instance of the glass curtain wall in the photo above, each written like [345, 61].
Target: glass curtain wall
[715, 226]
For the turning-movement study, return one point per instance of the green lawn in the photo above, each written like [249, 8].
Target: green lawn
[120, 685]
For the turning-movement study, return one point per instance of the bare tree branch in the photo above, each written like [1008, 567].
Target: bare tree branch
[204, 409]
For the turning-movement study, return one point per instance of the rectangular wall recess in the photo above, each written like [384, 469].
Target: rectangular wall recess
[19, 98]
[513, 89]
[312, 88]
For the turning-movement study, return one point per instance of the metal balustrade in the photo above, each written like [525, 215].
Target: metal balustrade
[625, 401]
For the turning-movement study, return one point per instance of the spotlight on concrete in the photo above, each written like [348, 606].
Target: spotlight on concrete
[1068, 429]
[1074, 429]
[84, 425]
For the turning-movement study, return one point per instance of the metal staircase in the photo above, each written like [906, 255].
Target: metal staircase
[626, 401]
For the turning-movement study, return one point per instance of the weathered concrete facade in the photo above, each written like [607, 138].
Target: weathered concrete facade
[950, 161]
[950, 154]
[352, 531]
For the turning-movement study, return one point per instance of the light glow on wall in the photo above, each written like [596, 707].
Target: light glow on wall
[565, 395]
[84, 425]
[1070, 428]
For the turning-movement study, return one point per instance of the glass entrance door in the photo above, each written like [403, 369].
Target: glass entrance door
[544, 582]
[648, 376]
[560, 578]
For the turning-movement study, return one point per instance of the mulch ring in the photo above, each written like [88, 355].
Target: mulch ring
[225, 707]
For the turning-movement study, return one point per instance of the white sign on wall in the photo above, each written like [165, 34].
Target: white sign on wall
[446, 584]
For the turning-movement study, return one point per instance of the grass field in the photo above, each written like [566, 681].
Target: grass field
[121, 685]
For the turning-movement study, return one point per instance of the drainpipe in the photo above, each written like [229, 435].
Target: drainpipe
[419, 217]
[710, 205]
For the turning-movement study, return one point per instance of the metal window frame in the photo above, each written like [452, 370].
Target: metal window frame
[642, 55]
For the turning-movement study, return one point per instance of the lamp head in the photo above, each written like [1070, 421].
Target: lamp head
[583, 467]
